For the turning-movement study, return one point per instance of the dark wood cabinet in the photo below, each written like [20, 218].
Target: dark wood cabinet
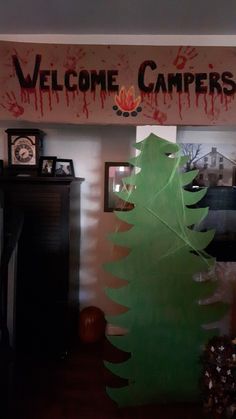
[43, 319]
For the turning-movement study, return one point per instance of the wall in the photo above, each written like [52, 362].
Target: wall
[110, 39]
[167, 132]
[211, 135]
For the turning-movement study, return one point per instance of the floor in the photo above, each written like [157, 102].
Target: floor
[74, 388]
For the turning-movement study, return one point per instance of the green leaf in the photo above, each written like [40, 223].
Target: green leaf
[187, 177]
[191, 198]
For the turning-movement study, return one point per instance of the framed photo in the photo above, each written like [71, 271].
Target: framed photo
[64, 167]
[47, 165]
[115, 172]
[216, 165]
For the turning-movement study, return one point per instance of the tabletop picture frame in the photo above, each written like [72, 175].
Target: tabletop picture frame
[47, 165]
[64, 167]
[113, 182]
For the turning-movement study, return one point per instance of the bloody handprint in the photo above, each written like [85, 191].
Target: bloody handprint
[158, 116]
[24, 58]
[184, 55]
[11, 105]
[73, 57]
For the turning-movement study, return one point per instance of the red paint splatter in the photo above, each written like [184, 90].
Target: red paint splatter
[34, 92]
[50, 100]
[85, 106]
[156, 101]
[189, 99]
[158, 116]
[73, 57]
[35, 99]
[143, 95]
[28, 96]
[184, 55]
[70, 63]
[23, 95]
[102, 97]
[164, 98]
[151, 100]
[41, 101]
[23, 60]
[211, 111]
[11, 105]
[205, 103]
[57, 96]
[67, 98]
[226, 102]
[180, 104]
[75, 93]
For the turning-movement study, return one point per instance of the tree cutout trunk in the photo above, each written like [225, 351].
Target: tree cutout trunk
[164, 317]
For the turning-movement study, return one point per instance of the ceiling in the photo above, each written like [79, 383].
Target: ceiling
[154, 17]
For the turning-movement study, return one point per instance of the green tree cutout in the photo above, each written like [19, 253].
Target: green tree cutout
[164, 318]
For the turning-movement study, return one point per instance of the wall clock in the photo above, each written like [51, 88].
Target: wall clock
[24, 148]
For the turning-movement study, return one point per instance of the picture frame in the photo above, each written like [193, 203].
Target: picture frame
[47, 165]
[216, 163]
[113, 182]
[216, 171]
[65, 168]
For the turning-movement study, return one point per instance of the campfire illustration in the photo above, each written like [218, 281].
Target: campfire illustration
[126, 102]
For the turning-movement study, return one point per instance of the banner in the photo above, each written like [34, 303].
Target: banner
[136, 85]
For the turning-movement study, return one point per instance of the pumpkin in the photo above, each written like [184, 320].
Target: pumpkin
[91, 324]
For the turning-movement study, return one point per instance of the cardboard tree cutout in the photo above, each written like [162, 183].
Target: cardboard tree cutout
[164, 318]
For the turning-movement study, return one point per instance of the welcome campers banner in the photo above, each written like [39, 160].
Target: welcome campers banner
[117, 84]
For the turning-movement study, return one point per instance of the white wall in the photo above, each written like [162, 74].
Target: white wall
[211, 135]
[167, 132]
[110, 39]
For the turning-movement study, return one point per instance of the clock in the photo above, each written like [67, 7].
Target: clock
[24, 149]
